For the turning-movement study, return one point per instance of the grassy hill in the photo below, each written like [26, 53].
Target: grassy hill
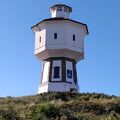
[61, 106]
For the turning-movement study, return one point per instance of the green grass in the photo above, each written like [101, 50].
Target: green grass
[61, 106]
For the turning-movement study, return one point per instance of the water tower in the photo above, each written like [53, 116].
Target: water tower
[59, 43]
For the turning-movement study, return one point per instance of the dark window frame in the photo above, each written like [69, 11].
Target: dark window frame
[56, 72]
[59, 8]
[40, 39]
[69, 74]
[74, 37]
[66, 9]
[55, 35]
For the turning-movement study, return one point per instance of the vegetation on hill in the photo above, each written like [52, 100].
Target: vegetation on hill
[61, 106]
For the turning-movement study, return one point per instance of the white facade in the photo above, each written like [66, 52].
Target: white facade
[45, 75]
[59, 43]
[43, 88]
[65, 31]
[56, 13]
[57, 87]
[60, 11]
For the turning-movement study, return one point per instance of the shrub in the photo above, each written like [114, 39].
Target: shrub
[8, 114]
[43, 111]
[67, 106]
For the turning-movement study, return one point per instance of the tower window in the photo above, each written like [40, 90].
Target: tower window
[73, 37]
[40, 39]
[55, 35]
[66, 9]
[59, 9]
[56, 72]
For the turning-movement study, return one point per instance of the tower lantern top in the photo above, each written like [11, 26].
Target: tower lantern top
[60, 10]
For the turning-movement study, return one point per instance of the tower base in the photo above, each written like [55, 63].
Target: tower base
[58, 87]
[59, 75]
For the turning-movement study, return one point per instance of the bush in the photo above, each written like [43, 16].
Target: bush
[44, 111]
[8, 114]
[68, 106]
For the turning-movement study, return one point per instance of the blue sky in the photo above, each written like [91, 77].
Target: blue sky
[20, 70]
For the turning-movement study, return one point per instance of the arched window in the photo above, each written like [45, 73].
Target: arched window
[56, 72]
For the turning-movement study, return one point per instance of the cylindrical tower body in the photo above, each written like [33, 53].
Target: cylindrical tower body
[59, 43]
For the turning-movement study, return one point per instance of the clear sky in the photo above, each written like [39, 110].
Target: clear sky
[20, 70]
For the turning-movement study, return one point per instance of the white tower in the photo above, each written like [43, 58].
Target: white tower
[59, 43]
